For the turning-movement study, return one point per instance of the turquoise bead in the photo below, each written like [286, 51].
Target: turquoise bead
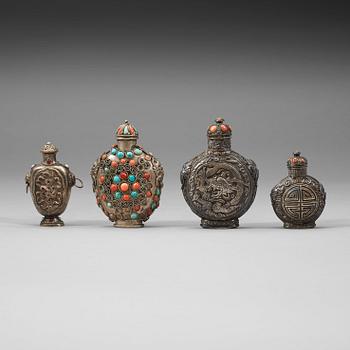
[134, 194]
[118, 195]
[114, 151]
[137, 151]
[129, 154]
[134, 216]
[132, 178]
[120, 154]
[116, 179]
[157, 191]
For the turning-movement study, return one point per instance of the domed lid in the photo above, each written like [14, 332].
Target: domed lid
[49, 148]
[126, 131]
[219, 129]
[297, 161]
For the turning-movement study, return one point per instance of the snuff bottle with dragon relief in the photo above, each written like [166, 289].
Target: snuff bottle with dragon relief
[219, 184]
[50, 185]
[299, 199]
[127, 180]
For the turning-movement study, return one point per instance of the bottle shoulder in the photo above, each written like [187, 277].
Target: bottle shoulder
[306, 182]
[43, 168]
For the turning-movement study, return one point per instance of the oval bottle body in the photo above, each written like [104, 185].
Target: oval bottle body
[127, 181]
[298, 202]
[299, 199]
[219, 185]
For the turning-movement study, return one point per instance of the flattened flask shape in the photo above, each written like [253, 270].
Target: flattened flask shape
[299, 199]
[127, 180]
[50, 185]
[219, 184]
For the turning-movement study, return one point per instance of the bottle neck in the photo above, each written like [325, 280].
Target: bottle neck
[219, 144]
[49, 158]
[126, 145]
[297, 172]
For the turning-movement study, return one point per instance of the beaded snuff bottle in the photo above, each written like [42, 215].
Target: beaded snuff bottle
[127, 180]
[50, 185]
[219, 184]
[299, 199]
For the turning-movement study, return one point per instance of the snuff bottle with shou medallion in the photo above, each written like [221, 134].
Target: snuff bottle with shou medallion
[50, 184]
[127, 180]
[219, 184]
[299, 199]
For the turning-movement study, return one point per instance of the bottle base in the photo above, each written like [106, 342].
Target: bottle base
[289, 225]
[128, 224]
[52, 221]
[220, 223]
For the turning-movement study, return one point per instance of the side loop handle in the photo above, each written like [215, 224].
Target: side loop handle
[81, 183]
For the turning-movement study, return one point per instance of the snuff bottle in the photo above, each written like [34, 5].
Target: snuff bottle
[219, 184]
[50, 185]
[127, 180]
[299, 199]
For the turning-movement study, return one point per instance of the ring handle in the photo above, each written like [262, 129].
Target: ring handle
[81, 183]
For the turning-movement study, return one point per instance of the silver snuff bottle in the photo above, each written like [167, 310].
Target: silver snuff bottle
[219, 184]
[127, 180]
[299, 199]
[50, 184]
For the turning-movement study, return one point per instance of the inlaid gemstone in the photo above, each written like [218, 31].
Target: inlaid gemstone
[106, 170]
[132, 178]
[114, 187]
[137, 151]
[124, 186]
[134, 216]
[114, 164]
[156, 198]
[136, 186]
[132, 162]
[116, 179]
[118, 195]
[102, 179]
[114, 151]
[109, 205]
[158, 191]
[146, 176]
[149, 194]
[137, 207]
[213, 128]
[153, 206]
[126, 197]
[129, 154]
[224, 128]
[134, 194]
[103, 197]
[123, 175]
[123, 161]
[120, 154]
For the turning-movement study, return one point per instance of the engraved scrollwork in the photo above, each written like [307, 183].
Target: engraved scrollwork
[49, 190]
[218, 186]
